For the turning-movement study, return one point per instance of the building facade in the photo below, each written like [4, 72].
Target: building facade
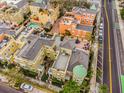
[32, 55]
[8, 48]
[60, 65]
[79, 22]
[43, 13]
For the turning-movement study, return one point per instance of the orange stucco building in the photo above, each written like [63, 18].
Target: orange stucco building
[79, 22]
[1, 37]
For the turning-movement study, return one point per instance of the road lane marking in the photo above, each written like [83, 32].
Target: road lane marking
[110, 65]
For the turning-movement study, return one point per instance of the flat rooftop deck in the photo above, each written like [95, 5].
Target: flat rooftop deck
[62, 61]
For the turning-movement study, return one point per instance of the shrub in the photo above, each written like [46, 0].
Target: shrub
[103, 88]
[29, 73]
[71, 87]
[10, 66]
[44, 77]
[3, 64]
[122, 13]
[57, 82]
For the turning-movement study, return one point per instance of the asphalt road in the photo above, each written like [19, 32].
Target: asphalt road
[6, 89]
[110, 71]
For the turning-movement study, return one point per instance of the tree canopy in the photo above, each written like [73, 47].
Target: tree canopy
[71, 87]
[103, 88]
[122, 13]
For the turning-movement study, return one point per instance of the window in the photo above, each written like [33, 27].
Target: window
[92, 16]
[12, 45]
[8, 49]
[91, 22]
[87, 22]
[84, 14]
[82, 21]
[88, 15]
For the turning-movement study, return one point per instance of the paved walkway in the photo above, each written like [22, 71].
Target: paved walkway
[94, 64]
[55, 28]
[35, 90]
[121, 22]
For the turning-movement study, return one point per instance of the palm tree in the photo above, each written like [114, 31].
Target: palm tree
[103, 88]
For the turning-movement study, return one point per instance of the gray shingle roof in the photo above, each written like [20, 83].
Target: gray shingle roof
[21, 3]
[30, 50]
[42, 1]
[5, 29]
[69, 44]
[43, 4]
[78, 58]
[79, 10]
[85, 28]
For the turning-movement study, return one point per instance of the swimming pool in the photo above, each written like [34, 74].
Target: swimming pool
[33, 25]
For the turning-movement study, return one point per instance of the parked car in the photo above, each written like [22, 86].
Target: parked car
[100, 31]
[26, 87]
[101, 26]
[100, 34]
[100, 39]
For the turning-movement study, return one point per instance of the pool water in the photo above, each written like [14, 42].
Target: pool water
[33, 25]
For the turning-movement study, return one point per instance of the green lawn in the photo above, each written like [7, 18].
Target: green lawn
[122, 82]
[33, 25]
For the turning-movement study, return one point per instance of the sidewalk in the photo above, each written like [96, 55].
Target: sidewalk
[35, 90]
[121, 22]
[4, 80]
[47, 86]
[93, 87]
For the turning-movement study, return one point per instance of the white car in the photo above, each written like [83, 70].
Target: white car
[100, 34]
[101, 26]
[26, 87]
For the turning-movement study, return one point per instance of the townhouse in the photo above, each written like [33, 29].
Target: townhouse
[80, 23]
[71, 62]
[8, 47]
[43, 12]
[31, 55]
[14, 12]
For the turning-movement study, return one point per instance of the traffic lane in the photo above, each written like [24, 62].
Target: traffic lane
[115, 83]
[115, 77]
[6, 89]
[102, 3]
[106, 52]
